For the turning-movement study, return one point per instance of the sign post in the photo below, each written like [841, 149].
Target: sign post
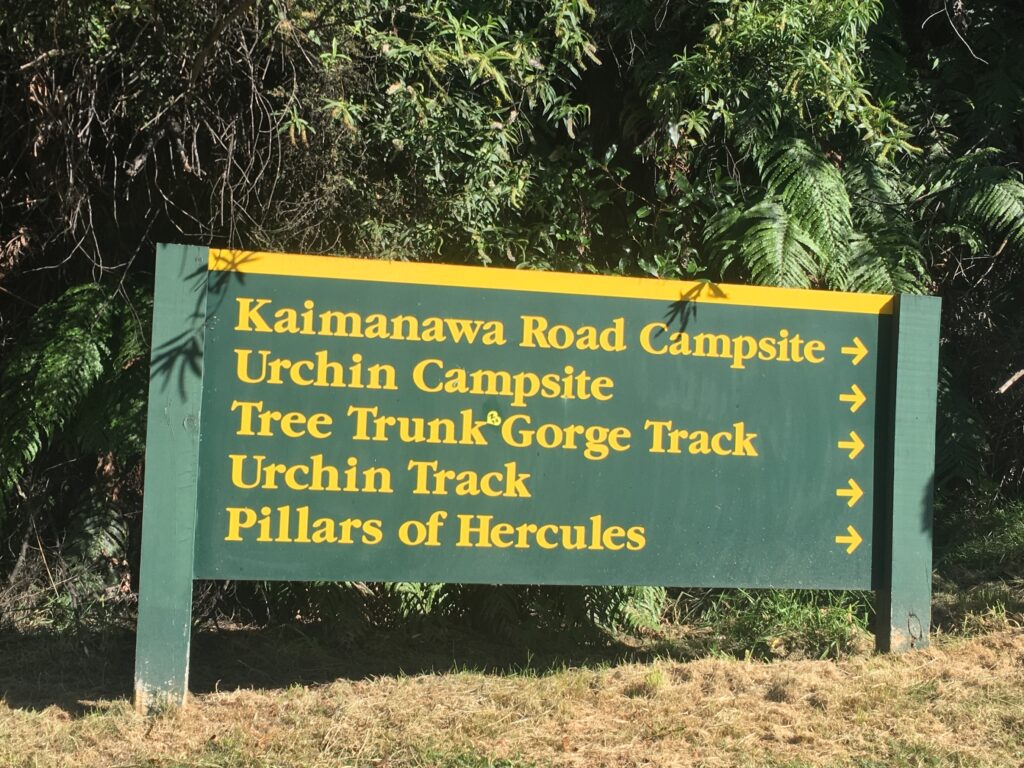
[316, 418]
[904, 608]
[172, 468]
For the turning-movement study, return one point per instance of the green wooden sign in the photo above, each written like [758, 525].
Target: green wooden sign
[316, 418]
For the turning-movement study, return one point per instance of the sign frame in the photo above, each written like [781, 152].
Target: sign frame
[902, 529]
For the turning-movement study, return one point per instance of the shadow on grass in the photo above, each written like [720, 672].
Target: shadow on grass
[40, 670]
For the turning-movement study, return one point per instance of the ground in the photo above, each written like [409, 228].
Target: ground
[284, 698]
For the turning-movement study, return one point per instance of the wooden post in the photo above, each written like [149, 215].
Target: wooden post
[172, 461]
[904, 604]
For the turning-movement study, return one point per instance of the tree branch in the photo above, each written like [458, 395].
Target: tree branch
[210, 42]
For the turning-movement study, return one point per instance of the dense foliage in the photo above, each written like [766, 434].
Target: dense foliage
[853, 144]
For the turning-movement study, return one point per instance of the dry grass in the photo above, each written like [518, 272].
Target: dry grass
[959, 703]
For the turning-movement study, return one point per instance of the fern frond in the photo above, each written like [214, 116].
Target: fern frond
[976, 193]
[877, 198]
[813, 192]
[967, 236]
[95, 529]
[410, 599]
[757, 133]
[946, 173]
[886, 256]
[998, 204]
[633, 609]
[886, 261]
[769, 242]
[112, 419]
[50, 374]
[997, 99]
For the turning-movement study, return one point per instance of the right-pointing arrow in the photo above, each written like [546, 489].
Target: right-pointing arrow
[853, 492]
[857, 350]
[854, 445]
[854, 397]
[853, 540]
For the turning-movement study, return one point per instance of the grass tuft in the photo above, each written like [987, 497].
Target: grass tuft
[648, 687]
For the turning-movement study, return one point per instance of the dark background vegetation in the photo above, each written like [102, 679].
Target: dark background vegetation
[857, 145]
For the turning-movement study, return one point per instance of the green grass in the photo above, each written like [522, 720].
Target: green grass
[469, 759]
[982, 541]
[767, 624]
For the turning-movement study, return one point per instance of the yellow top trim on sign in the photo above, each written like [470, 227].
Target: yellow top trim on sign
[342, 268]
